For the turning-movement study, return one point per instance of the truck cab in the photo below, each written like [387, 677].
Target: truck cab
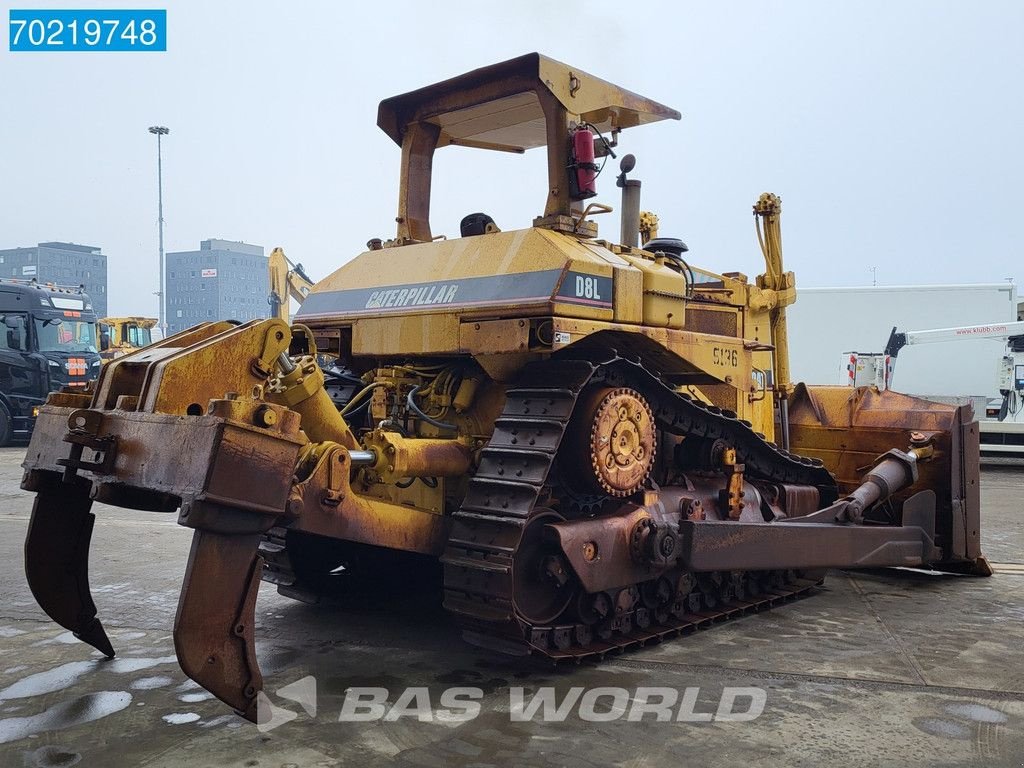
[48, 341]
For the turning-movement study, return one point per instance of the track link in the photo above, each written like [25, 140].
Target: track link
[479, 559]
[576, 642]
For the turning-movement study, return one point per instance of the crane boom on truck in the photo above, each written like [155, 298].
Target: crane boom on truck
[878, 368]
[898, 340]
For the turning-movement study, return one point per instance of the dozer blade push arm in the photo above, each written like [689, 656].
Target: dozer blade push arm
[818, 541]
[691, 527]
[836, 536]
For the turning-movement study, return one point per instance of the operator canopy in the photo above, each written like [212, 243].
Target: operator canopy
[499, 107]
[531, 101]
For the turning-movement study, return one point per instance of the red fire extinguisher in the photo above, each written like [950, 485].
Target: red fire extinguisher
[583, 169]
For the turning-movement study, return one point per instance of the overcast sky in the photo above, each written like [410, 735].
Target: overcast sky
[892, 131]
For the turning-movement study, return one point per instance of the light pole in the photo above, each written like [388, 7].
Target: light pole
[160, 131]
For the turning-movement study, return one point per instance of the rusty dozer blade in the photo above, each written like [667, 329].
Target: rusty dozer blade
[848, 428]
[57, 559]
[213, 629]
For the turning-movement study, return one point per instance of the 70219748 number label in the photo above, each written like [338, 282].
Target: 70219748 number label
[87, 30]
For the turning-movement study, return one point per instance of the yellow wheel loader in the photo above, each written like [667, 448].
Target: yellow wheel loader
[121, 335]
[594, 441]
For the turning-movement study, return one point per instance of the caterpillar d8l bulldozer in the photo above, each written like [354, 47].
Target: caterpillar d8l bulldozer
[597, 442]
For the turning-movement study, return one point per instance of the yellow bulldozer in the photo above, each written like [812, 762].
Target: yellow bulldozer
[594, 441]
[121, 335]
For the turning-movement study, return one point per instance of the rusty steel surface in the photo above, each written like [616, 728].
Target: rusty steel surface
[892, 472]
[325, 503]
[243, 357]
[57, 558]
[732, 496]
[540, 583]
[799, 500]
[600, 550]
[174, 375]
[213, 628]
[126, 375]
[217, 457]
[715, 546]
[620, 439]
[847, 429]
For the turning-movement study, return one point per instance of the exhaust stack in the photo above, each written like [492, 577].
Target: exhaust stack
[630, 203]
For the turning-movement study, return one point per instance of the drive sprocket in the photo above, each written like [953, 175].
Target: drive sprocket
[619, 437]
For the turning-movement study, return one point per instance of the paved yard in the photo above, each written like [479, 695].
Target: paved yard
[874, 669]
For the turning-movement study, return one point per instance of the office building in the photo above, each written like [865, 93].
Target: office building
[65, 264]
[223, 280]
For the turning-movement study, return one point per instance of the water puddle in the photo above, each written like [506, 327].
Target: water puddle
[64, 638]
[66, 675]
[149, 683]
[220, 720]
[195, 698]
[135, 664]
[51, 680]
[180, 718]
[979, 713]
[83, 709]
[51, 757]
[106, 588]
[949, 729]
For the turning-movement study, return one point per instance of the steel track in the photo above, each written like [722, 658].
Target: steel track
[480, 558]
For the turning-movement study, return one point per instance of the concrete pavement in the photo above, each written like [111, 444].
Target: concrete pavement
[873, 669]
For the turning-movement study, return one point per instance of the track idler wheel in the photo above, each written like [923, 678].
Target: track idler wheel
[543, 583]
[614, 434]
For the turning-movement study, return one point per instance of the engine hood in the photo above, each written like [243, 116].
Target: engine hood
[531, 269]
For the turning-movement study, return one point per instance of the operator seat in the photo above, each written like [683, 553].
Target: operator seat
[477, 224]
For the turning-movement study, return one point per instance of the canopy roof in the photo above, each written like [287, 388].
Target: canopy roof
[497, 107]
